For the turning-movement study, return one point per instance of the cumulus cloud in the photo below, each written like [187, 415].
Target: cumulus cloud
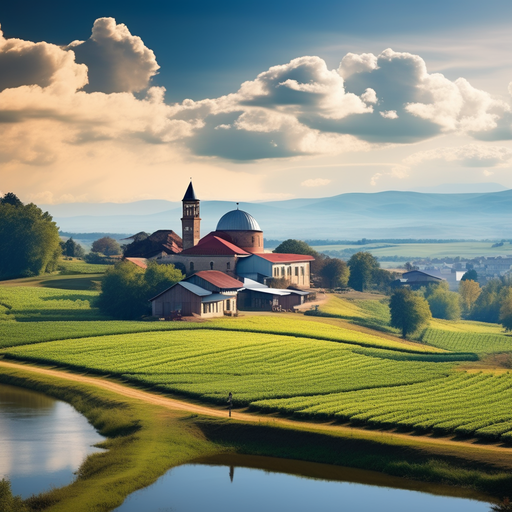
[117, 61]
[81, 96]
[317, 182]
[24, 63]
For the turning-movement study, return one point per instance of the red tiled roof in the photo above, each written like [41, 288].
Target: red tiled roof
[219, 279]
[140, 262]
[275, 257]
[214, 246]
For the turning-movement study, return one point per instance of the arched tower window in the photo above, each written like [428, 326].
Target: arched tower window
[211, 265]
[228, 265]
[191, 266]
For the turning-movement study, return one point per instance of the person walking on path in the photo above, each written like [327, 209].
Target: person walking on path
[230, 402]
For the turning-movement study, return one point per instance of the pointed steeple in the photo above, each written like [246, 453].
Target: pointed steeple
[190, 194]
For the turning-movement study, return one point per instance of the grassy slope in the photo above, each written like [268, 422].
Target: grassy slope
[145, 440]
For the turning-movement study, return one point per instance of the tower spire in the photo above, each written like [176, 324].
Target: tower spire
[190, 222]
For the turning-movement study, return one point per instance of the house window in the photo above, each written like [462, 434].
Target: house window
[289, 271]
[191, 266]
[228, 305]
[252, 239]
[297, 271]
[301, 271]
[282, 271]
[228, 265]
[211, 265]
[204, 308]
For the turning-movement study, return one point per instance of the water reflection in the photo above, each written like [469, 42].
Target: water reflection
[212, 488]
[42, 440]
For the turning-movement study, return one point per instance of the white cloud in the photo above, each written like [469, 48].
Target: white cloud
[353, 63]
[24, 63]
[470, 155]
[318, 182]
[117, 61]
[389, 114]
[487, 173]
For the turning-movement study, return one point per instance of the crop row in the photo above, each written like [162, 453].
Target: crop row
[481, 343]
[210, 363]
[462, 403]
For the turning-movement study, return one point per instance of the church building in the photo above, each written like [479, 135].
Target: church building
[236, 247]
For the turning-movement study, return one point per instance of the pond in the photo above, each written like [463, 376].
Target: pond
[253, 484]
[43, 441]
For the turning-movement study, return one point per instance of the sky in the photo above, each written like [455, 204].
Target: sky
[117, 101]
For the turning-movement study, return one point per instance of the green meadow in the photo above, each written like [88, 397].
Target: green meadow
[426, 250]
[343, 363]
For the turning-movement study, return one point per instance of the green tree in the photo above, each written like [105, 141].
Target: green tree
[469, 292]
[470, 275]
[30, 242]
[442, 302]
[362, 267]
[72, 249]
[409, 311]
[506, 309]
[335, 272]
[487, 306]
[160, 277]
[107, 246]
[11, 199]
[292, 246]
[127, 288]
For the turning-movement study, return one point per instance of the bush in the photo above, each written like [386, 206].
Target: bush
[8, 502]
[127, 288]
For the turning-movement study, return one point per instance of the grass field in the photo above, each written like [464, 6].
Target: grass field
[427, 250]
[69, 267]
[318, 367]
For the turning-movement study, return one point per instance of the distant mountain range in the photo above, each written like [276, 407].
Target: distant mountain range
[346, 216]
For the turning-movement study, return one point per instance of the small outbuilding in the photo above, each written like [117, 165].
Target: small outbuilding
[188, 299]
[258, 297]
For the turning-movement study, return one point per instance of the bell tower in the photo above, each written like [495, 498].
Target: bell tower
[190, 222]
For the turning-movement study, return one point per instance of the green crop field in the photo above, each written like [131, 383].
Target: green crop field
[81, 267]
[305, 376]
[426, 250]
[311, 366]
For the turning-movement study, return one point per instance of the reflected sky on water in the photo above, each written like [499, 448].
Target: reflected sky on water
[198, 488]
[42, 441]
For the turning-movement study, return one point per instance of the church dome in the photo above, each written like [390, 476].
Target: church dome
[238, 220]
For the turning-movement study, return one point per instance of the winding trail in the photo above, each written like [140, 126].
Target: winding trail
[501, 456]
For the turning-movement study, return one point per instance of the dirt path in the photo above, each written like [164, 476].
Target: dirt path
[479, 450]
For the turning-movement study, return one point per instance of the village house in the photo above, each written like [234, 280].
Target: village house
[206, 294]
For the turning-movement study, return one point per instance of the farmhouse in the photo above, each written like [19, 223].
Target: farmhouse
[417, 278]
[206, 294]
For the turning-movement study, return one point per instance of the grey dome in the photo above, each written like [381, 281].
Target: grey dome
[238, 220]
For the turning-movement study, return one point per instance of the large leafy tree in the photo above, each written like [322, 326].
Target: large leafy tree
[107, 246]
[506, 309]
[442, 302]
[73, 249]
[409, 311]
[363, 267]
[127, 288]
[29, 238]
[292, 246]
[469, 292]
[470, 275]
[335, 272]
